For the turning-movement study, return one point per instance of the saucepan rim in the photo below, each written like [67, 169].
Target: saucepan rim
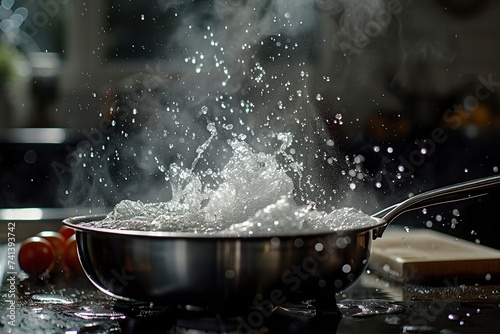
[73, 223]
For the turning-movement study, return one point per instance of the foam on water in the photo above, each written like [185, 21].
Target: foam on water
[285, 216]
[253, 197]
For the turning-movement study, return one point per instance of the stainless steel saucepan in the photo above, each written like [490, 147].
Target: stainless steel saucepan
[226, 271]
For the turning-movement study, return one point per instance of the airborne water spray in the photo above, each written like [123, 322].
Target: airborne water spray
[249, 68]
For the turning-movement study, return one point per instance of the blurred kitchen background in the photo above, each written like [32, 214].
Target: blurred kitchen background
[408, 92]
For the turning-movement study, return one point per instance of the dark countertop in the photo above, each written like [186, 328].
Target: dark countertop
[68, 304]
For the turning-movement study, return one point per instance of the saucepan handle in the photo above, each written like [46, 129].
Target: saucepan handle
[453, 193]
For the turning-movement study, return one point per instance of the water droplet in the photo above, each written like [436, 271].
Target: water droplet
[368, 308]
[352, 186]
[466, 170]
[407, 229]
[418, 329]
[100, 315]
[378, 184]
[359, 159]
[495, 169]
[275, 241]
[376, 148]
[456, 212]
[346, 268]
[229, 274]
[338, 116]
[390, 150]
[424, 211]
[429, 224]
[319, 97]
[298, 242]
[452, 316]
[50, 299]
[439, 218]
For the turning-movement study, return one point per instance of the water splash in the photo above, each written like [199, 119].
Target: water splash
[254, 196]
[213, 132]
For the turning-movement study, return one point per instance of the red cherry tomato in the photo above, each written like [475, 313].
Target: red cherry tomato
[70, 256]
[56, 240]
[66, 231]
[36, 256]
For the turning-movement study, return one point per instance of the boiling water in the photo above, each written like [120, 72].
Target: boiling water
[253, 196]
[249, 70]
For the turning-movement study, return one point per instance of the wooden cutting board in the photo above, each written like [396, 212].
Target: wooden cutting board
[423, 254]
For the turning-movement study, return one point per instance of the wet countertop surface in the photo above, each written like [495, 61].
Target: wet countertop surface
[67, 303]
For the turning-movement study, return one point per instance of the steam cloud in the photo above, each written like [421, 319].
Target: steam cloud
[250, 68]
